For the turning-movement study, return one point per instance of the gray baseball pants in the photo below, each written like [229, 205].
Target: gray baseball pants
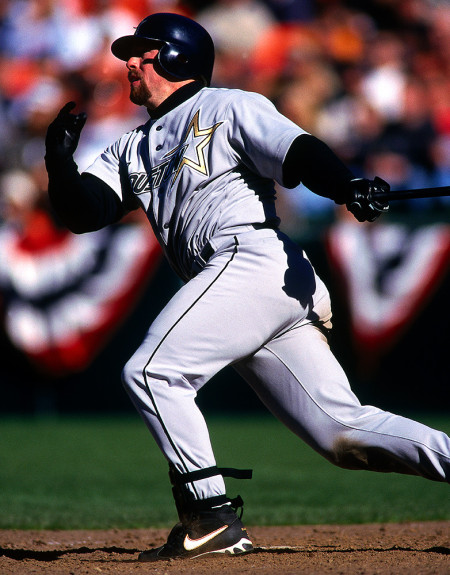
[259, 306]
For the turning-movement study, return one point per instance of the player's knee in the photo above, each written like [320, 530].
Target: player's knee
[131, 376]
[347, 453]
[350, 453]
[138, 377]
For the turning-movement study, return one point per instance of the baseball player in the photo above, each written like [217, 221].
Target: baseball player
[203, 169]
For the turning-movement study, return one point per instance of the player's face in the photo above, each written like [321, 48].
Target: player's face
[147, 87]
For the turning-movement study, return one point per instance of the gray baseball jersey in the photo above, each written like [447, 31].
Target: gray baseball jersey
[203, 170]
[204, 174]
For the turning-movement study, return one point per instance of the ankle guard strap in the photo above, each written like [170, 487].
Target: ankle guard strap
[184, 499]
[190, 476]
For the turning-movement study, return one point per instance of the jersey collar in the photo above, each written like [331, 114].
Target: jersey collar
[175, 99]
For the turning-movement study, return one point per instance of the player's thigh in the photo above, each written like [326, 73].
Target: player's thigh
[298, 378]
[215, 319]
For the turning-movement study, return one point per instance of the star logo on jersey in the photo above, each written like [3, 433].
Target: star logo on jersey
[174, 161]
[200, 138]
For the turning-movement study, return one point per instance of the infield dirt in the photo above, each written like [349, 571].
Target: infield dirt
[409, 548]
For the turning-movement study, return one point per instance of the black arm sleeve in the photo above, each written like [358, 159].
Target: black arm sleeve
[83, 202]
[312, 162]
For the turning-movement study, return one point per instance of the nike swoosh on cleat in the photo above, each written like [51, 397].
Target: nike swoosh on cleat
[191, 544]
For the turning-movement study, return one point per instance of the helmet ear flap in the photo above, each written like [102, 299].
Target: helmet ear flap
[173, 61]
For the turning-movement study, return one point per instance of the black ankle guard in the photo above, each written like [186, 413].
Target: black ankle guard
[185, 501]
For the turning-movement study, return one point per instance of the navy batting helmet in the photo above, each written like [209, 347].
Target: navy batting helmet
[187, 50]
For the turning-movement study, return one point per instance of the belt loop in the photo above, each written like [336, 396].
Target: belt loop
[202, 258]
[205, 254]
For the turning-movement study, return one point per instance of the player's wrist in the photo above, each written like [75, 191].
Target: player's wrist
[56, 163]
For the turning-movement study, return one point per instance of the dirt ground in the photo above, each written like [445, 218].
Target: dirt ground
[409, 548]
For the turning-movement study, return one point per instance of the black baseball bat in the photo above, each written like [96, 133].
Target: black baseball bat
[413, 194]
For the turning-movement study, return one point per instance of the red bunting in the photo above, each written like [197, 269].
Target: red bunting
[65, 295]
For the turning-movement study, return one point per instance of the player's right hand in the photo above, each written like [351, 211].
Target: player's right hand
[362, 201]
[63, 134]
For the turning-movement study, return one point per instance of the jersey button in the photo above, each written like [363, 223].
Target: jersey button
[158, 128]
[158, 147]
[166, 225]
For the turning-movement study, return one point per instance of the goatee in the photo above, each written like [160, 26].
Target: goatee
[139, 95]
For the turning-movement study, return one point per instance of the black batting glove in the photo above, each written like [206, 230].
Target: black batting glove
[63, 135]
[362, 199]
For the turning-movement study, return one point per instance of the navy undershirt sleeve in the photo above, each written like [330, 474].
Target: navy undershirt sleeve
[83, 202]
[311, 162]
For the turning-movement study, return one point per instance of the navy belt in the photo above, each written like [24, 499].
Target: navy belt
[208, 251]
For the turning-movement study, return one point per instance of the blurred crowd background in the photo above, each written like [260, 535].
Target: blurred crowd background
[372, 79]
